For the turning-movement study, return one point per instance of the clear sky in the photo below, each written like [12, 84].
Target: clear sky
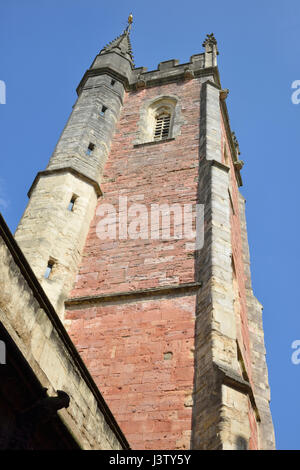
[45, 48]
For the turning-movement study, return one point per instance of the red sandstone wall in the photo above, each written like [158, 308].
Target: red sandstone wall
[127, 350]
[124, 344]
[161, 173]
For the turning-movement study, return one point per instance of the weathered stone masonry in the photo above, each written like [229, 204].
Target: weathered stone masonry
[171, 335]
[71, 171]
[33, 325]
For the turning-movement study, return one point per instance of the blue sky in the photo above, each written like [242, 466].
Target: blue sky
[45, 48]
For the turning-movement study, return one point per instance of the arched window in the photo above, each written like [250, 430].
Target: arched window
[160, 119]
[162, 125]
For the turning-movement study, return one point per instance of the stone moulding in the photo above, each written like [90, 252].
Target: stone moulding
[220, 165]
[233, 380]
[102, 71]
[104, 86]
[153, 142]
[181, 289]
[153, 77]
[66, 170]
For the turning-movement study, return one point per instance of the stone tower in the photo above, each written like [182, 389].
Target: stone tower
[168, 326]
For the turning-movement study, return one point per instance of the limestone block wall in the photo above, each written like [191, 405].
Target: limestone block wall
[88, 124]
[30, 320]
[49, 231]
[217, 419]
[228, 416]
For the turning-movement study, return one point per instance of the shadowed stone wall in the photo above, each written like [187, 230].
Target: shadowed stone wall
[29, 318]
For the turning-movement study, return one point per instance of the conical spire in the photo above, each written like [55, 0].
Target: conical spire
[122, 43]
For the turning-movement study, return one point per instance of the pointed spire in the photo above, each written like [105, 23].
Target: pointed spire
[122, 43]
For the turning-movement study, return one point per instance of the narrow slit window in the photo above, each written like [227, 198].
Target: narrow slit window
[103, 109]
[90, 149]
[71, 203]
[113, 82]
[49, 269]
[162, 126]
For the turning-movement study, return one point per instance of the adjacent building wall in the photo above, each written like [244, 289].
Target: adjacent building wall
[30, 320]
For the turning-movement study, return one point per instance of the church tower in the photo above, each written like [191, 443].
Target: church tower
[137, 233]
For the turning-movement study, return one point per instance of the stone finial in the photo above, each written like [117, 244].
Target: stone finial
[210, 40]
[211, 50]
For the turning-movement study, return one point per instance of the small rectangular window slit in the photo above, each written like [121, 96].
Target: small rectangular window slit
[113, 82]
[71, 203]
[103, 109]
[90, 148]
[49, 269]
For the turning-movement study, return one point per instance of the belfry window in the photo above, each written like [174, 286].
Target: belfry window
[160, 120]
[162, 126]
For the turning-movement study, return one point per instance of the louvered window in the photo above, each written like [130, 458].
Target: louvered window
[162, 126]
